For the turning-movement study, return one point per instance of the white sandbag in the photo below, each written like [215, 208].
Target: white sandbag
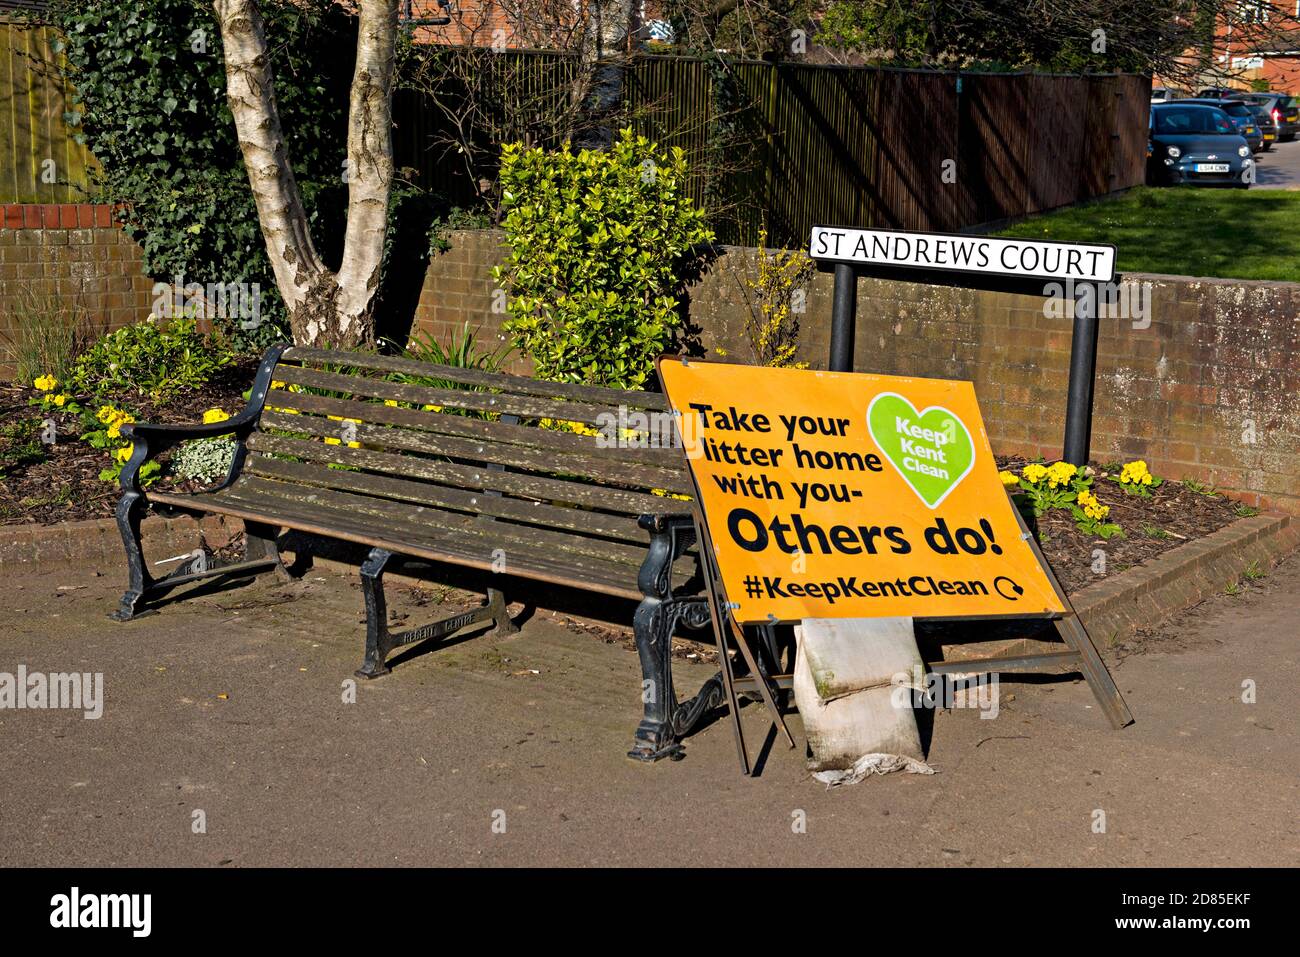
[844, 682]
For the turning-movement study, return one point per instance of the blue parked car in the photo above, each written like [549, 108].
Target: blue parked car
[1196, 143]
[1242, 119]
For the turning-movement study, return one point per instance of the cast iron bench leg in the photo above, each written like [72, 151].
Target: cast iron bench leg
[665, 720]
[130, 509]
[372, 587]
[380, 642]
[496, 603]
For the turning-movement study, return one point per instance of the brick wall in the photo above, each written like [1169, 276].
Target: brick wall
[458, 288]
[75, 252]
[1210, 389]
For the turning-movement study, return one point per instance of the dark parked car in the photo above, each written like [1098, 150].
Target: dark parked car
[1196, 143]
[1267, 125]
[1285, 110]
[1218, 93]
[1241, 117]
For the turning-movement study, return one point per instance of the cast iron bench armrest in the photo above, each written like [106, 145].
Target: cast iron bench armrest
[671, 534]
[150, 440]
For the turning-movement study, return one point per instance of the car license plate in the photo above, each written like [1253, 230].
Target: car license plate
[1269, 136]
[1212, 167]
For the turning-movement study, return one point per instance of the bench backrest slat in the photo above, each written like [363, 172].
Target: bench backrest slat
[522, 385]
[522, 458]
[446, 497]
[465, 476]
[477, 428]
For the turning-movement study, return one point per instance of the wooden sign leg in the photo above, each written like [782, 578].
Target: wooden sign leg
[720, 613]
[1076, 637]
[1094, 669]
[728, 679]
[764, 688]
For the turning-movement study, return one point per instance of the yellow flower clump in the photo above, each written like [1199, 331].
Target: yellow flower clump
[580, 428]
[1009, 478]
[1091, 507]
[114, 419]
[1135, 473]
[1060, 473]
[215, 415]
[1034, 472]
[46, 383]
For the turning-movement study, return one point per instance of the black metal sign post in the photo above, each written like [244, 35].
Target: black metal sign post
[1083, 376]
[829, 245]
[844, 318]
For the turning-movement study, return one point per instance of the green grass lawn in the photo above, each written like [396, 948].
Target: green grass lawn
[1187, 231]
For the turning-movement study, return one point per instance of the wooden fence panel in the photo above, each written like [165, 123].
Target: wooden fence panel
[40, 160]
[785, 145]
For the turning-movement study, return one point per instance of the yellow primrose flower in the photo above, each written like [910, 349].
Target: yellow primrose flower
[60, 399]
[1135, 473]
[277, 384]
[664, 493]
[431, 408]
[124, 453]
[1059, 473]
[391, 403]
[119, 420]
[105, 413]
[46, 383]
[1034, 472]
[1009, 478]
[215, 415]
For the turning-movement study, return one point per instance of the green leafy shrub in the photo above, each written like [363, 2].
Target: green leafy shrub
[204, 460]
[596, 240]
[152, 358]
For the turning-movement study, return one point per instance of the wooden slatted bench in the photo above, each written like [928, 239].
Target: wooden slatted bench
[460, 466]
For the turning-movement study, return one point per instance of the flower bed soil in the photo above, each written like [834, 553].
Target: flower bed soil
[65, 486]
[1171, 516]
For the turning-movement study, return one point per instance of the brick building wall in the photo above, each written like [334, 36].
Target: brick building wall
[73, 252]
[1210, 389]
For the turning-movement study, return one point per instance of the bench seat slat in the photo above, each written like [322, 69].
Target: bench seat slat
[468, 477]
[391, 438]
[539, 513]
[386, 512]
[605, 578]
[667, 456]
[503, 381]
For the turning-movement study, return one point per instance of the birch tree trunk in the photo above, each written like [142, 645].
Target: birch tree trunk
[605, 31]
[325, 307]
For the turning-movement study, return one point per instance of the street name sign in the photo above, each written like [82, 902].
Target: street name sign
[956, 252]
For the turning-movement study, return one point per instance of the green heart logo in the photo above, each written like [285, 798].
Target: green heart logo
[932, 450]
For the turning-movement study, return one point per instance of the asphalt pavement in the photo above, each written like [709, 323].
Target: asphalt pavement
[227, 739]
[1279, 168]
